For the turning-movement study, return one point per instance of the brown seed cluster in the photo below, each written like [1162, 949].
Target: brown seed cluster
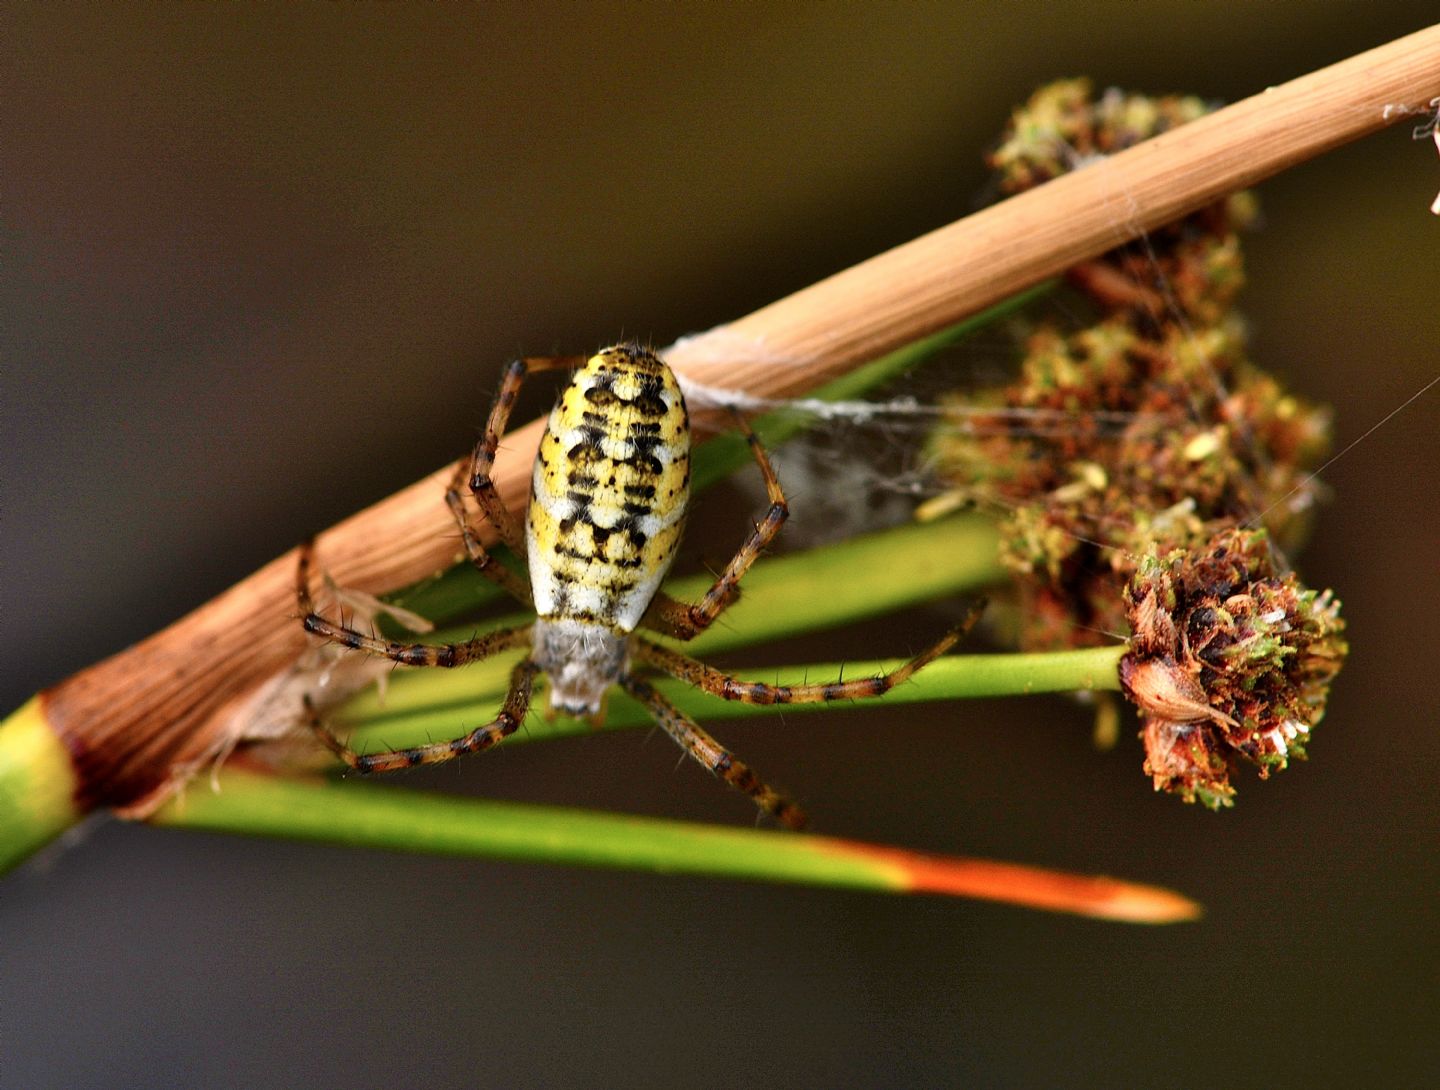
[1125, 439]
[1151, 427]
[1193, 265]
[1228, 659]
[1127, 460]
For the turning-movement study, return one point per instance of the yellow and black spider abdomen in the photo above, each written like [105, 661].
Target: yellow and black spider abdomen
[611, 484]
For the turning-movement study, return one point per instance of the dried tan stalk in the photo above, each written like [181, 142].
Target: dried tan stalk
[136, 721]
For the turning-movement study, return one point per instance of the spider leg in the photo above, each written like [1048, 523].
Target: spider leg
[712, 754]
[482, 461]
[508, 580]
[512, 714]
[721, 684]
[685, 622]
[411, 654]
[674, 618]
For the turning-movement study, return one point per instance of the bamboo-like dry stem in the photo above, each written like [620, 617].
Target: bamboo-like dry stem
[134, 719]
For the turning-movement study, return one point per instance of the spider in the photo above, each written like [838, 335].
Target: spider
[607, 507]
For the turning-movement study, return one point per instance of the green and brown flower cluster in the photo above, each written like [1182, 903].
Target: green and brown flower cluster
[1116, 440]
[1146, 441]
[1229, 658]
[1194, 265]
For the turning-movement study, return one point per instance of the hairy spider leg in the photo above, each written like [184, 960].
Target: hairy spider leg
[712, 754]
[410, 654]
[512, 714]
[723, 685]
[513, 584]
[482, 461]
[682, 621]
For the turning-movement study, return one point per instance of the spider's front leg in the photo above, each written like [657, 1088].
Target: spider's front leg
[482, 461]
[475, 471]
[710, 753]
[684, 622]
[410, 654]
[512, 714]
[512, 583]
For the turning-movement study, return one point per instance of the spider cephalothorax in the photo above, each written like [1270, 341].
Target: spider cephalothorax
[607, 508]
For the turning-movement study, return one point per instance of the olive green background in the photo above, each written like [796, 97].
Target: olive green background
[262, 266]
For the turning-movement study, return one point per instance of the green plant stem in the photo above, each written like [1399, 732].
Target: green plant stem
[37, 785]
[437, 704]
[374, 816]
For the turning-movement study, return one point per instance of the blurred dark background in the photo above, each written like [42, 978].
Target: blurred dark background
[263, 265]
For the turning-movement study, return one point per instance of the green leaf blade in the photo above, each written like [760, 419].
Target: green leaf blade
[379, 817]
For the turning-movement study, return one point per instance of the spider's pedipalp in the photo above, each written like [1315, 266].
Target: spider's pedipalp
[582, 662]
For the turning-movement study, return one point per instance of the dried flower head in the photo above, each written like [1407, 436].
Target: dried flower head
[1129, 457]
[1149, 429]
[1114, 441]
[1064, 125]
[1229, 659]
[1193, 265]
